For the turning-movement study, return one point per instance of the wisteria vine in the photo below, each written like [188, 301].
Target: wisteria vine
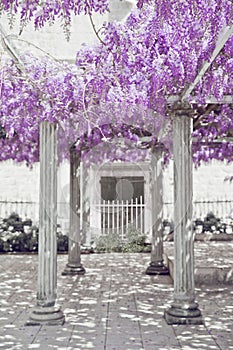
[48, 11]
[126, 80]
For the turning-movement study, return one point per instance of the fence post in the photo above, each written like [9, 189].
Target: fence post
[141, 216]
[47, 312]
[157, 265]
[74, 266]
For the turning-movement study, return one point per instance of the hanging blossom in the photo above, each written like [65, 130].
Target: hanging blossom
[157, 53]
[124, 81]
[161, 48]
[57, 92]
[212, 134]
[50, 91]
[41, 12]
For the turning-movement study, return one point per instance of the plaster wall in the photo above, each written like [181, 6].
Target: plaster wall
[208, 182]
[19, 183]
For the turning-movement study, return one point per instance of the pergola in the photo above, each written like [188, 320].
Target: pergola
[184, 309]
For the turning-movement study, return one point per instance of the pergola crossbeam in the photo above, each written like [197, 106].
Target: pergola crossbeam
[227, 99]
[11, 49]
[224, 35]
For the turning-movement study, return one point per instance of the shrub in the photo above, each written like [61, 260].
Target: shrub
[62, 242]
[17, 235]
[211, 223]
[14, 221]
[134, 242]
[108, 243]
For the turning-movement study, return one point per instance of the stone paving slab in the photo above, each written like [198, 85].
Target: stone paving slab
[114, 306]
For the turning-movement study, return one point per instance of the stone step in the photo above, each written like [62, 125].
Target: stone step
[205, 275]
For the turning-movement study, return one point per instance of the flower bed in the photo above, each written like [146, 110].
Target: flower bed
[18, 235]
[211, 228]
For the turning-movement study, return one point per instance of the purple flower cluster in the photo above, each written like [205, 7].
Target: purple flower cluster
[119, 88]
[47, 11]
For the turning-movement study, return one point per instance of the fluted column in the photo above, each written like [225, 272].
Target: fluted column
[74, 266]
[184, 309]
[46, 311]
[157, 264]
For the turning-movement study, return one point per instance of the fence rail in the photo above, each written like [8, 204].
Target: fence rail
[119, 216]
[22, 208]
[220, 208]
[30, 210]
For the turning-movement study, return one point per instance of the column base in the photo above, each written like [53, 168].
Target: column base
[176, 315]
[49, 316]
[157, 269]
[73, 270]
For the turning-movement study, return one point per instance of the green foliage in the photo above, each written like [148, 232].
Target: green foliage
[62, 242]
[13, 222]
[134, 242]
[108, 243]
[17, 235]
[212, 224]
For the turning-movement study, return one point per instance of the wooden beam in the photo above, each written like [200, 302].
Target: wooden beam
[213, 143]
[224, 35]
[227, 99]
[11, 49]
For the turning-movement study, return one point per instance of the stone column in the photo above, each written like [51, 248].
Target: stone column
[184, 309]
[46, 311]
[74, 266]
[156, 266]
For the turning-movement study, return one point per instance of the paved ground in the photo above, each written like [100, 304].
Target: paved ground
[115, 306]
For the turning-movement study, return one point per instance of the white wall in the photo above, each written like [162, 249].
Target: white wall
[52, 40]
[208, 182]
[19, 183]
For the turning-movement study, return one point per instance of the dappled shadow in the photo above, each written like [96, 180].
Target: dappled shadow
[114, 306]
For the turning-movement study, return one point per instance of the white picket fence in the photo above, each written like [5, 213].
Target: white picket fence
[221, 208]
[119, 216]
[29, 210]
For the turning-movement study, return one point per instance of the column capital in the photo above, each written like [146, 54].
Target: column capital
[157, 147]
[183, 109]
